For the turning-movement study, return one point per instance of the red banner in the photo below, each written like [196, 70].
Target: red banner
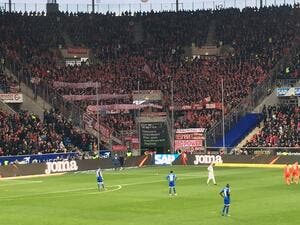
[119, 148]
[77, 51]
[192, 139]
[181, 144]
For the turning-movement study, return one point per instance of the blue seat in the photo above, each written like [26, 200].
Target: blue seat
[245, 125]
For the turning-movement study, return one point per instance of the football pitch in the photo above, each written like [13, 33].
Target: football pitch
[140, 197]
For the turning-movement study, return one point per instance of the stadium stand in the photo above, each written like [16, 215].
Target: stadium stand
[24, 133]
[292, 69]
[8, 84]
[281, 128]
[121, 64]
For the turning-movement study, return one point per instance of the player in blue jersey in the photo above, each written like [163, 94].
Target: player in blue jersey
[100, 180]
[225, 193]
[172, 178]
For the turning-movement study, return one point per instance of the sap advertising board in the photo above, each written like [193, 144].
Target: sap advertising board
[165, 159]
[168, 159]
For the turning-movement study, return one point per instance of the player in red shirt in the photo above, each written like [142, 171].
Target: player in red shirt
[295, 174]
[287, 174]
[184, 158]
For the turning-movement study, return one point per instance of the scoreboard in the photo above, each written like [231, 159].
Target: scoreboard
[154, 135]
[192, 139]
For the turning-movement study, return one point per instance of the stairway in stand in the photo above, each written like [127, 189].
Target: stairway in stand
[211, 35]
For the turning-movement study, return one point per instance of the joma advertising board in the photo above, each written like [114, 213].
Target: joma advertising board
[14, 170]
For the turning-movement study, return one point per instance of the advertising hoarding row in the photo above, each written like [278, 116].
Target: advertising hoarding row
[50, 167]
[194, 159]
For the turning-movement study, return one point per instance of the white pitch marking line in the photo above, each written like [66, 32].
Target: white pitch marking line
[41, 195]
[18, 182]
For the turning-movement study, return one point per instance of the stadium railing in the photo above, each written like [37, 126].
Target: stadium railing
[6, 108]
[118, 9]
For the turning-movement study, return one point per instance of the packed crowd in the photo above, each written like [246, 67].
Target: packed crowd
[147, 49]
[263, 34]
[281, 128]
[292, 69]
[195, 119]
[120, 121]
[148, 34]
[25, 133]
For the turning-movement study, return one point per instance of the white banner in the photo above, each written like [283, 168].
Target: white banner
[288, 91]
[94, 97]
[190, 130]
[82, 85]
[95, 108]
[12, 98]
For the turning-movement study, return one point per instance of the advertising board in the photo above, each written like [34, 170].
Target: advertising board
[165, 159]
[192, 139]
[12, 98]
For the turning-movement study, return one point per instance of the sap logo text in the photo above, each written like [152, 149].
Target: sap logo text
[161, 159]
[61, 166]
[207, 159]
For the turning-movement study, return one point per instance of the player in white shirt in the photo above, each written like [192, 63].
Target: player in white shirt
[100, 180]
[211, 175]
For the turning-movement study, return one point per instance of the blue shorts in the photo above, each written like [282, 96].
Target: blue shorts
[226, 201]
[99, 180]
[171, 184]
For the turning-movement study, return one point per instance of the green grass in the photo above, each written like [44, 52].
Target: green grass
[140, 196]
